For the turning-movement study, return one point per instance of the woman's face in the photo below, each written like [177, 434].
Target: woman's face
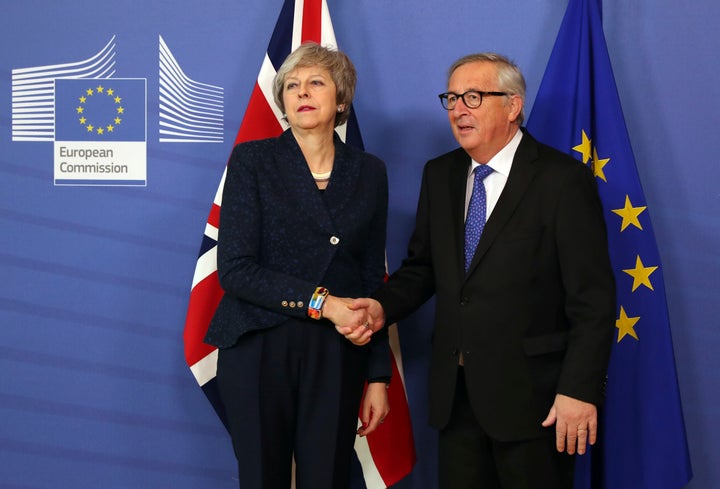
[310, 98]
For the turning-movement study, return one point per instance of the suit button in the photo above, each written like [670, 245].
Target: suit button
[334, 240]
[284, 303]
[464, 301]
[292, 304]
[466, 353]
[455, 352]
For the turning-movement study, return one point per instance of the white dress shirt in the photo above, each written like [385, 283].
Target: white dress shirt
[495, 182]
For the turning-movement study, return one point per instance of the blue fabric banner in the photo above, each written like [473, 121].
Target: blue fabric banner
[642, 442]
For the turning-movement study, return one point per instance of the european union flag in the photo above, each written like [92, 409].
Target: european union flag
[100, 109]
[642, 443]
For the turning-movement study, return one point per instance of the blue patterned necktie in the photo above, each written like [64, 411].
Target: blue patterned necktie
[475, 220]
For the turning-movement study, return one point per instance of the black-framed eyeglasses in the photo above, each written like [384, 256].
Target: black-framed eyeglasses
[472, 98]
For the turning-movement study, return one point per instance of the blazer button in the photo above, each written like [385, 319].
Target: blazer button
[334, 240]
[292, 304]
[464, 301]
[284, 303]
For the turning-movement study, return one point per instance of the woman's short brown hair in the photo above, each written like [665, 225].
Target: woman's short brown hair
[334, 61]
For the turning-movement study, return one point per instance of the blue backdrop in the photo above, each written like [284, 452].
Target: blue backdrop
[94, 391]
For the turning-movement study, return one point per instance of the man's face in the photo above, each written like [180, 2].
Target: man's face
[485, 130]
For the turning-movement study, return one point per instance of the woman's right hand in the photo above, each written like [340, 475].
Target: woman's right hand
[355, 325]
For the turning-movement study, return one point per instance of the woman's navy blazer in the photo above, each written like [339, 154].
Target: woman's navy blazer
[280, 238]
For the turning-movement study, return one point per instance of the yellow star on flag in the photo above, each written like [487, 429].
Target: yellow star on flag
[626, 325]
[640, 274]
[598, 165]
[629, 214]
[585, 147]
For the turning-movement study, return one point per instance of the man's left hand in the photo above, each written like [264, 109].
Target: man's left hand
[575, 424]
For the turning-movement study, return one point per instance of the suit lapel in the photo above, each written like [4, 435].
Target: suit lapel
[299, 184]
[522, 173]
[321, 209]
[344, 179]
[458, 187]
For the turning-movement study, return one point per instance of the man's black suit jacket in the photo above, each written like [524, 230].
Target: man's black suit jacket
[534, 315]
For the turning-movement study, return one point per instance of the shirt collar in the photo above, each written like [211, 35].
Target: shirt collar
[502, 161]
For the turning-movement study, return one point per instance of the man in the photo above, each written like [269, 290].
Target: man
[524, 318]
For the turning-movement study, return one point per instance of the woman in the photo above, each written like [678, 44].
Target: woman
[302, 226]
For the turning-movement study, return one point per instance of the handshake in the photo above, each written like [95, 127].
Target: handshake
[355, 319]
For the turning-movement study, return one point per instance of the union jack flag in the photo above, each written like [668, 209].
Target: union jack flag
[388, 454]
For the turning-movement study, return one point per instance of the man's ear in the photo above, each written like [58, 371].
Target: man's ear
[516, 104]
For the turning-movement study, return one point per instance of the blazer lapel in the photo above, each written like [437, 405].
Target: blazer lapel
[458, 187]
[521, 175]
[344, 179]
[299, 183]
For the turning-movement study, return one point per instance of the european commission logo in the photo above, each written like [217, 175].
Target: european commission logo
[98, 123]
[100, 131]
